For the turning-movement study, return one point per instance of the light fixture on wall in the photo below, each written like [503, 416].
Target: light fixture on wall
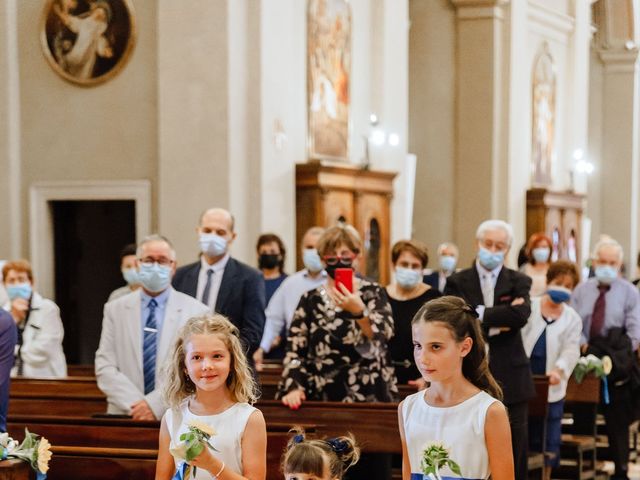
[582, 165]
[377, 137]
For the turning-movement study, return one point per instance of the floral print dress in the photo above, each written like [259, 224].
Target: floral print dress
[329, 356]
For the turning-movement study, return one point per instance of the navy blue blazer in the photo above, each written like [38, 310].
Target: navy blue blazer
[508, 361]
[241, 297]
[433, 280]
[8, 340]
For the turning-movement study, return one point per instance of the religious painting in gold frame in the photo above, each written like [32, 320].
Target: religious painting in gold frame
[87, 42]
[543, 107]
[328, 78]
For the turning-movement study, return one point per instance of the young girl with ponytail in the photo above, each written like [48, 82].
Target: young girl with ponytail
[326, 459]
[461, 407]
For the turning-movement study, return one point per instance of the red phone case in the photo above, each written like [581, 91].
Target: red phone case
[345, 277]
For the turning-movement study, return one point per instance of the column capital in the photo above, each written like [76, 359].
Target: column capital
[619, 60]
[479, 9]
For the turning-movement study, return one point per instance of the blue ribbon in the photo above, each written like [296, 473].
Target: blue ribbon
[4, 454]
[605, 390]
[40, 475]
[180, 472]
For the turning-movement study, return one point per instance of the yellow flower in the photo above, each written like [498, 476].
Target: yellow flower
[44, 455]
[607, 365]
[203, 427]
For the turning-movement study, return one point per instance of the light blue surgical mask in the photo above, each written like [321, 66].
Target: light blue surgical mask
[131, 276]
[558, 294]
[407, 277]
[311, 260]
[155, 277]
[448, 263]
[212, 244]
[541, 254]
[490, 260]
[606, 274]
[19, 290]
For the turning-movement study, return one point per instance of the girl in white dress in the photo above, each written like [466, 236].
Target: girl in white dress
[209, 382]
[460, 407]
[316, 459]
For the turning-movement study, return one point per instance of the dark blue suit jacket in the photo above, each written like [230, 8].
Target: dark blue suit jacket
[8, 340]
[241, 297]
[433, 280]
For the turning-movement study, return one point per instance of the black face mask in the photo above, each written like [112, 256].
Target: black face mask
[268, 260]
[331, 269]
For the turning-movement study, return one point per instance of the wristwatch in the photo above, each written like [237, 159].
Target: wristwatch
[358, 316]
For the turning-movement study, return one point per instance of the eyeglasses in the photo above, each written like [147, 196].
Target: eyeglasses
[498, 246]
[333, 260]
[149, 261]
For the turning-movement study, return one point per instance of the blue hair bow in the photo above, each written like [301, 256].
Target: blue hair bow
[298, 438]
[338, 445]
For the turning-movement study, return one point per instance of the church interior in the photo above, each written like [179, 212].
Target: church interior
[408, 119]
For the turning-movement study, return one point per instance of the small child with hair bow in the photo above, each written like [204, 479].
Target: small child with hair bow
[325, 459]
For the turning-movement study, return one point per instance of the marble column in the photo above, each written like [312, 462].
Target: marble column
[479, 171]
[618, 169]
[10, 204]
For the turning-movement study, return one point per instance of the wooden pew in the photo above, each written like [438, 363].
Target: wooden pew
[578, 448]
[538, 409]
[118, 448]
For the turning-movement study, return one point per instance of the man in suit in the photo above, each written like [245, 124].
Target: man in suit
[447, 260]
[221, 282]
[138, 333]
[501, 298]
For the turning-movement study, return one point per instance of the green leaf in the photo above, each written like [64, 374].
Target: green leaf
[194, 450]
[455, 468]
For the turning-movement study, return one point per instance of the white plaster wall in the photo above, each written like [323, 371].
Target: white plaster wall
[192, 121]
[106, 132]
[283, 116]
[432, 81]
[596, 88]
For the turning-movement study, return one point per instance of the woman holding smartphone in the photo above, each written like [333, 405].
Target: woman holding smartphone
[337, 346]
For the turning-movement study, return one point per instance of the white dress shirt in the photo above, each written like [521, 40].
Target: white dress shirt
[284, 302]
[216, 279]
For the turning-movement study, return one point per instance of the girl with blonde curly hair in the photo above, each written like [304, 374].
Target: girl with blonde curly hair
[210, 386]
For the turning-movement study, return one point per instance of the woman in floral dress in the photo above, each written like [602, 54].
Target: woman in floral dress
[337, 346]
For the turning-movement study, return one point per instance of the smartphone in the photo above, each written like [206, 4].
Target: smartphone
[345, 277]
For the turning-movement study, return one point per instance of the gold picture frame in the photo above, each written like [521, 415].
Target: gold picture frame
[88, 42]
[328, 78]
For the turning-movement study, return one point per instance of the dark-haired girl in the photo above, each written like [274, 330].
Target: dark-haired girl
[460, 408]
[328, 459]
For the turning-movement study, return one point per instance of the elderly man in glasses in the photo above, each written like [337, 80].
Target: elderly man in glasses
[138, 331]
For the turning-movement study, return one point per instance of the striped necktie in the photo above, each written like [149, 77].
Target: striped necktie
[149, 348]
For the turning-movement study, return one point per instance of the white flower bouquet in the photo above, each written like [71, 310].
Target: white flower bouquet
[192, 443]
[36, 451]
[600, 367]
[434, 457]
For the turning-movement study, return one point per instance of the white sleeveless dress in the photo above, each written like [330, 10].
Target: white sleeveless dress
[228, 425]
[459, 428]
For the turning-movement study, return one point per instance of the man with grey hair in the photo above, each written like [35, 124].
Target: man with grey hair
[610, 310]
[138, 331]
[447, 261]
[500, 296]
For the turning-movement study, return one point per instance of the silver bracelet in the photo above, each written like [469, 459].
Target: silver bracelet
[221, 469]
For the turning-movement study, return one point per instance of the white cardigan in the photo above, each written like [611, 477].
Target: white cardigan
[563, 343]
[41, 351]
